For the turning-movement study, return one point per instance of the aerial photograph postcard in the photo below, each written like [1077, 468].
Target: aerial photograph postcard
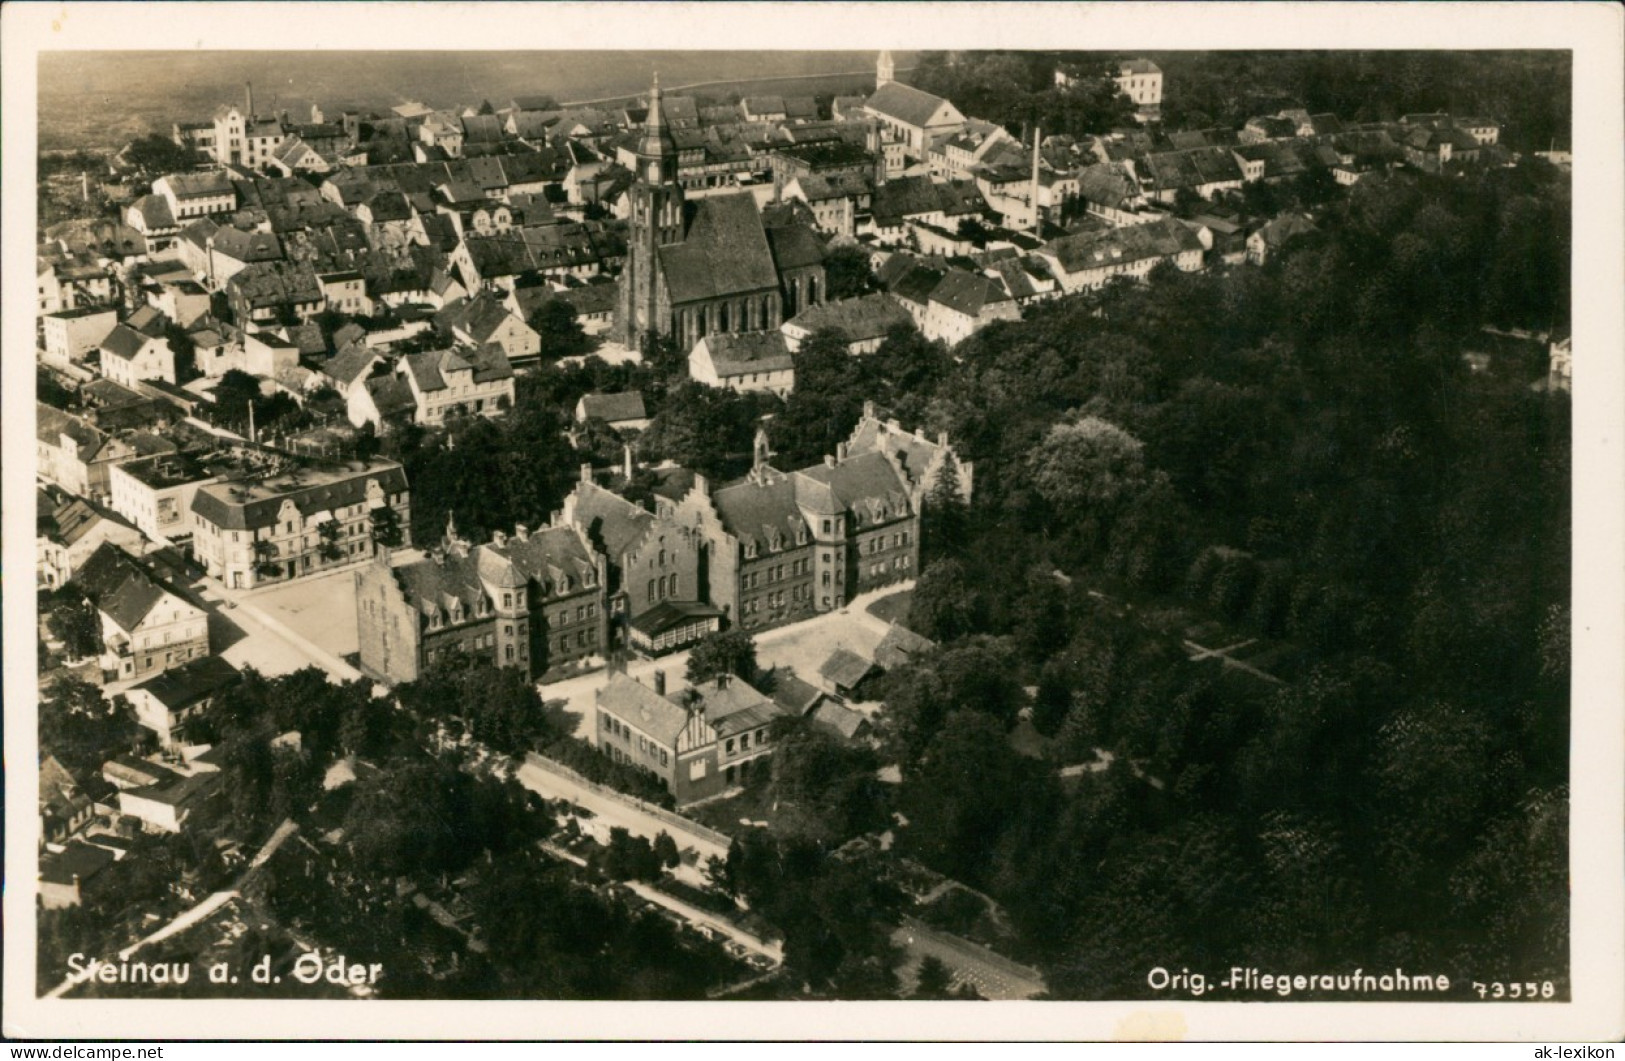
[1076, 522]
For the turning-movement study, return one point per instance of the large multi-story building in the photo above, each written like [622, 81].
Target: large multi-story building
[532, 600]
[155, 493]
[296, 521]
[655, 590]
[786, 546]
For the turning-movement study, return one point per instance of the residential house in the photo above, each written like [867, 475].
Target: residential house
[72, 282]
[147, 625]
[487, 320]
[64, 806]
[268, 294]
[532, 600]
[1141, 81]
[77, 456]
[252, 531]
[71, 334]
[194, 195]
[1087, 260]
[744, 361]
[467, 380]
[383, 402]
[1270, 238]
[700, 743]
[152, 217]
[863, 323]
[71, 532]
[622, 411]
[128, 355]
[963, 303]
[169, 703]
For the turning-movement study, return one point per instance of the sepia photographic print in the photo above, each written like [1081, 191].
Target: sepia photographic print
[1084, 515]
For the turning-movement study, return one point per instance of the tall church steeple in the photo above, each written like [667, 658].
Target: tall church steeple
[885, 70]
[657, 219]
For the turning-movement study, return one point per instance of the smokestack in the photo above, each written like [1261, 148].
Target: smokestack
[84, 184]
[1038, 138]
[250, 87]
[626, 460]
[660, 682]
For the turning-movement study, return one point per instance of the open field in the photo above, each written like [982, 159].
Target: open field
[103, 99]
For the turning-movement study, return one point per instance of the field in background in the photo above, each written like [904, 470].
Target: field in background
[103, 99]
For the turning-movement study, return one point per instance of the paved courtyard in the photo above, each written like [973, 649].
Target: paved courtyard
[320, 608]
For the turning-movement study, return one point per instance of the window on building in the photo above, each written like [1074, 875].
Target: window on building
[696, 769]
[728, 746]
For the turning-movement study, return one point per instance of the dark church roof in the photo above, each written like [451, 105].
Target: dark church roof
[725, 253]
[795, 247]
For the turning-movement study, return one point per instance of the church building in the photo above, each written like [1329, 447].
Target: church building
[707, 265]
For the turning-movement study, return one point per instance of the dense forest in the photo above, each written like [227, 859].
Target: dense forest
[1297, 452]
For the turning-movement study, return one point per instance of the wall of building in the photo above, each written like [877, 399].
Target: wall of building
[387, 629]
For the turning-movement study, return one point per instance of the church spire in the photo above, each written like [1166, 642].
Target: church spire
[885, 70]
[657, 150]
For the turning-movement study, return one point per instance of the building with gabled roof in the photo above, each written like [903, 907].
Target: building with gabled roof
[70, 533]
[534, 600]
[1087, 260]
[655, 592]
[700, 742]
[66, 877]
[128, 356]
[901, 647]
[64, 806]
[465, 380]
[744, 361]
[75, 455]
[1270, 238]
[487, 319]
[147, 625]
[863, 322]
[919, 460]
[169, 703]
[623, 410]
[913, 117]
[249, 530]
[266, 294]
[787, 546]
[962, 303]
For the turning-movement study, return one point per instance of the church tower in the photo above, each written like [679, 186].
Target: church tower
[885, 70]
[657, 219]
